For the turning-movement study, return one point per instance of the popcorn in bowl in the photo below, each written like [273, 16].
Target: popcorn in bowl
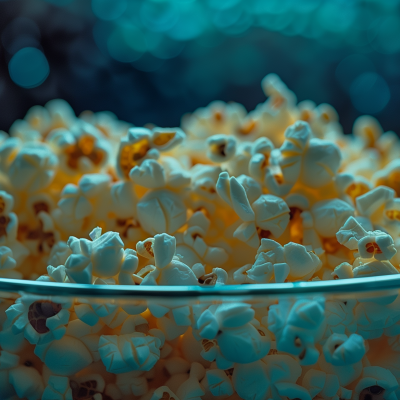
[278, 195]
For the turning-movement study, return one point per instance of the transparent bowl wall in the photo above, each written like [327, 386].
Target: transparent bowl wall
[105, 342]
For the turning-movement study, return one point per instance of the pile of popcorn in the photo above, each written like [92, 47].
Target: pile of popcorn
[277, 194]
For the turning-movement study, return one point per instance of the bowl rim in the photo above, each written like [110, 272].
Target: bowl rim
[352, 285]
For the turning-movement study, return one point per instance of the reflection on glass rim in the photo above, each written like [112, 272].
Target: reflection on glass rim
[353, 285]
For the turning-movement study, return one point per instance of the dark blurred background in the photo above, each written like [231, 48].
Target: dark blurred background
[153, 60]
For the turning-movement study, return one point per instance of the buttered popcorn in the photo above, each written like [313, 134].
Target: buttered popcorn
[275, 195]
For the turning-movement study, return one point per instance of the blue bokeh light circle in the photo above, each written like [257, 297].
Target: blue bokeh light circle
[369, 93]
[28, 67]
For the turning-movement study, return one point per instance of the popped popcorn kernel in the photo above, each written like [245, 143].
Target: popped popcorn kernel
[133, 153]
[278, 197]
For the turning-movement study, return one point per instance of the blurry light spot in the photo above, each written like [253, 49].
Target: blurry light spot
[336, 16]
[240, 26]
[101, 32]
[29, 67]
[120, 49]
[222, 4]
[134, 38]
[168, 49]
[369, 93]
[190, 24]
[225, 18]
[386, 38]
[148, 63]
[351, 67]
[109, 10]
[305, 6]
[159, 16]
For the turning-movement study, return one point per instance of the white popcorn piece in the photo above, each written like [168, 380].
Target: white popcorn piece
[351, 233]
[27, 382]
[221, 148]
[166, 138]
[104, 257]
[168, 270]
[296, 327]
[261, 379]
[57, 274]
[351, 187]
[58, 388]
[370, 202]
[76, 200]
[81, 149]
[66, 356]
[330, 215]
[193, 249]
[342, 350]
[141, 144]
[7, 263]
[169, 326]
[41, 319]
[388, 176]
[378, 245]
[374, 268]
[378, 378]
[232, 324]
[59, 254]
[33, 168]
[275, 262]
[149, 174]
[161, 211]
[368, 129]
[343, 271]
[129, 352]
[218, 383]
[268, 213]
[192, 388]
[261, 151]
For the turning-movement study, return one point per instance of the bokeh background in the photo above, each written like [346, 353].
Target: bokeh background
[154, 60]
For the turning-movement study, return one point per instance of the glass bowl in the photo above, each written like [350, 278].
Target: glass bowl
[303, 340]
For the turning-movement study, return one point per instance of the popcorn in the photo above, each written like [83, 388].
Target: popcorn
[275, 261]
[42, 320]
[66, 356]
[129, 352]
[265, 216]
[376, 380]
[340, 350]
[161, 211]
[141, 144]
[92, 200]
[272, 377]
[81, 149]
[58, 387]
[167, 269]
[221, 148]
[33, 168]
[103, 257]
[296, 326]
[8, 263]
